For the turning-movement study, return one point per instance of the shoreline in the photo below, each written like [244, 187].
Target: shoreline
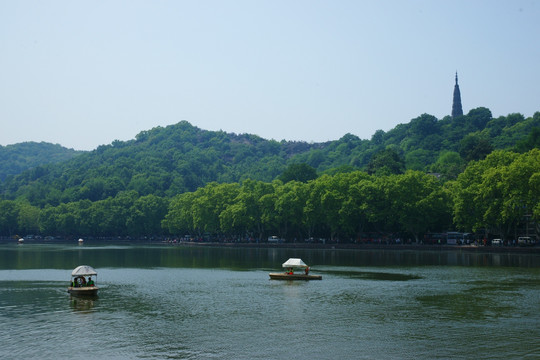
[298, 245]
[411, 247]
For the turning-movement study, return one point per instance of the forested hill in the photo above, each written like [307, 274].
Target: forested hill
[166, 161]
[14, 159]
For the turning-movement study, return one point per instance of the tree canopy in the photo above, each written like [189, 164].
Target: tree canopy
[184, 179]
[166, 161]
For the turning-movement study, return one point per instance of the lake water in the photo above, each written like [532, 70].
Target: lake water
[181, 302]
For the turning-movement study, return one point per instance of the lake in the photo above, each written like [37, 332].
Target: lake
[184, 302]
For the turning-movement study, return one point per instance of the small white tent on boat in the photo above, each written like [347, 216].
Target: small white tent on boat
[294, 263]
[83, 270]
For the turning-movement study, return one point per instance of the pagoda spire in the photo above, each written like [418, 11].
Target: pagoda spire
[457, 110]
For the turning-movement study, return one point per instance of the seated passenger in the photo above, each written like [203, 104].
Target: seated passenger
[90, 282]
[80, 281]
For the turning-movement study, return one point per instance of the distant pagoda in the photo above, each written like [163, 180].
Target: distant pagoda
[457, 110]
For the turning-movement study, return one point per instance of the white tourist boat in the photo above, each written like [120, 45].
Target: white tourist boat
[82, 283]
[292, 264]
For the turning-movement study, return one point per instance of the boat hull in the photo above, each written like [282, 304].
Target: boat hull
[285, 276]
[83, 291]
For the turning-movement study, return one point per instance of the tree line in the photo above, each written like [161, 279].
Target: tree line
[491, 196]
[166, 161]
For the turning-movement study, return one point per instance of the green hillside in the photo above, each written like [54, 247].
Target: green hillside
[166, 161]
[182, 180]
[15, 159]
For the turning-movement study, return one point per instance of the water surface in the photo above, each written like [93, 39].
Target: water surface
[203, 303]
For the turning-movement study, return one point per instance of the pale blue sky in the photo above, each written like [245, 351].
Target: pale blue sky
[84, 73]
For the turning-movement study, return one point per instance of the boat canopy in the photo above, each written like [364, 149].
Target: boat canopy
[83, 270]
[294, 262]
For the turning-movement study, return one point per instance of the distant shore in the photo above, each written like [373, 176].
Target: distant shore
[287, 245]
[338, 246]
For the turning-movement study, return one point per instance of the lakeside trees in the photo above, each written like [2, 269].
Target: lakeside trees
[499, 193]
[493, 195]
[181, 179]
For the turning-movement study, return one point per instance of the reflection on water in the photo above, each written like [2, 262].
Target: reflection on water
[82, 304]
[201, 303]
[38, 256]
[374, 275]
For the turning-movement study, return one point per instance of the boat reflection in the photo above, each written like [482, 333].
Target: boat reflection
[82, 304]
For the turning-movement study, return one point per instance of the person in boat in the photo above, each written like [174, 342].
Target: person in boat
[307, 270]
[80, 281]
[290, 272]
[90, 282]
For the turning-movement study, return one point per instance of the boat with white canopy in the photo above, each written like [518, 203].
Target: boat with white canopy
[82, 283]
[292, 264]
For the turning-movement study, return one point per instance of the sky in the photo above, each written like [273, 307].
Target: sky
[85, 73]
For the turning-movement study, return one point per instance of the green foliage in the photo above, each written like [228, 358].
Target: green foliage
[492, 195]
[336, 207]
[419, 203]
[167, 161]
[8, 217]
[14, 159]
[298, 172]
[423, 126]
[146, 214]
[532, 141]
[417, 159]
[478, 118]
[496, 193]
[184, 180]
[386, 162]
[449, 165]
[474, 147]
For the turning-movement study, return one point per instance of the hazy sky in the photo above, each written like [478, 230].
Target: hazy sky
[84, 73]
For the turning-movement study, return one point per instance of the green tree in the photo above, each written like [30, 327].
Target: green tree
[419, 203]
[479, 117]
[331, 199]
[521, 188]
[417, 159]
[8, 217]
[495, 194]
[474, 147]
[377, 210]
[385, 162]
[28, 218]
[289, 206]
[145, 215]
[67, 220]
[208, 204]
[449, 165]
[314, 213]
[353, 214]
[48, 220]
[179, 218]
[532, 141]
[244, 214]
[423, 126]
[298, 172]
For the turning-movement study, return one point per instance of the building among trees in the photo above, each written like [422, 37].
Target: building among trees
[457, 110]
